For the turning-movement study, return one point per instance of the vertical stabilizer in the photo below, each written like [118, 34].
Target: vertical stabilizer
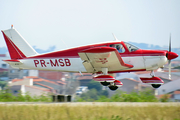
[17, 46]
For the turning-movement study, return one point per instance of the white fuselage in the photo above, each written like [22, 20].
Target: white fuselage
[75, 64]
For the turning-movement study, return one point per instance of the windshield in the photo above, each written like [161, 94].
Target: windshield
[130, 47]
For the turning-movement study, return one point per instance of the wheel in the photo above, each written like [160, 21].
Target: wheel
[105, 83]
[155, 85]
[112, 87]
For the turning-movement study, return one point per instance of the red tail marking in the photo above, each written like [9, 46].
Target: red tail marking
[14, 51]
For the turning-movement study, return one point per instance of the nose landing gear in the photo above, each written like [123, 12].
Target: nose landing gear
[155, 82]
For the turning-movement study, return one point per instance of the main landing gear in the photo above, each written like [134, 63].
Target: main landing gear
[155, 82]
[105, 83]
[113, 87]
[107, 80]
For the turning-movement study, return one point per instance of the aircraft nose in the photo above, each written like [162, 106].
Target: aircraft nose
[171, 55]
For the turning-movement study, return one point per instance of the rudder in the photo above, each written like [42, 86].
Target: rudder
[17, 46]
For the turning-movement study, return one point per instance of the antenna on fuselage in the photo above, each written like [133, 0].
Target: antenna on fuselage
[64, 43]
[115, 37]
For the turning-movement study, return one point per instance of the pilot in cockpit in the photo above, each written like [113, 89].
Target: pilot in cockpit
[119, 49]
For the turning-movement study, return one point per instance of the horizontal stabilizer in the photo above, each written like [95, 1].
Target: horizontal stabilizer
[13, 62]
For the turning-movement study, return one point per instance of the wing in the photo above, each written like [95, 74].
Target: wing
[94, 59]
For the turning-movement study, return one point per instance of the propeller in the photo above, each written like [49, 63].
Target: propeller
[170, 55]
[169, 61]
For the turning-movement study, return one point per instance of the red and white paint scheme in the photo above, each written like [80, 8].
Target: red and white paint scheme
[100, 59]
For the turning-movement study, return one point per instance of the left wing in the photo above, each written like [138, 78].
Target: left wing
[94, 59]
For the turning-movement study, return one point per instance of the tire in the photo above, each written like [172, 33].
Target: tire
[155, 85]
[105, 83]
[112, 87]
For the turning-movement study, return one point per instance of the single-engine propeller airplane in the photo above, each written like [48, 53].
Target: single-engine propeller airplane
[100, 59]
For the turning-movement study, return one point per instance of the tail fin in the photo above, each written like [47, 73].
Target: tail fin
[17, 46]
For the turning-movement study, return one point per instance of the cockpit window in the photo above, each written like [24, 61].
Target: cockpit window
[112, 45]
[130, 47]
[119, 47]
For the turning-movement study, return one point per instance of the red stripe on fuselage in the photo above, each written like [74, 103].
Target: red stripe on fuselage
[73, 52]
[123, 71]
[141, 52]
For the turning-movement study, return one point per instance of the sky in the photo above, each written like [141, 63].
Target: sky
[70, 23]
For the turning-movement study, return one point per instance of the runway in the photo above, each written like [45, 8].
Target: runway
[132, 104]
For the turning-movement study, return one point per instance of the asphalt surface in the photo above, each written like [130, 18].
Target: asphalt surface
[132, 104]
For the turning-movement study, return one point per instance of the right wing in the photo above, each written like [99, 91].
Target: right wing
[94, 59]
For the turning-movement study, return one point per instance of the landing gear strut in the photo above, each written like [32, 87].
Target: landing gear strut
[152, 73]
[154, 85]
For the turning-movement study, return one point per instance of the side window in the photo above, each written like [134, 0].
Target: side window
[131, 48]
[102, 46]
[112, 45]
[119, 47]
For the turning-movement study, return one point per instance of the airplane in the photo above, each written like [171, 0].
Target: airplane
[100, 59]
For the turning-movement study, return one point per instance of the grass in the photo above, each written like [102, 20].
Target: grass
[7, 96]
[55, 112]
